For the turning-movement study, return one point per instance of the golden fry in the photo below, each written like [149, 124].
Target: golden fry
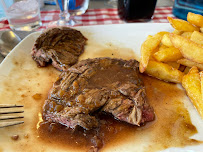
[189, 49]
[187, 69]
[162, 47]
[201, 79]
[186, 34]
[164, 72]
[149, 36]
[182, 25]
[197, 37]
[177, 32]
[191, 83]
[166, 40]
[190, 63]
[173, 64]
[147, 48]
[201, 29]
[195, 19]
[154, 51]
[168, 54]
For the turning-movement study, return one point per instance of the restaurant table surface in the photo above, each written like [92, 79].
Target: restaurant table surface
[98, 13]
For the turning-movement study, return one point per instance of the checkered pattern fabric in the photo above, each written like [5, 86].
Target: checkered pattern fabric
[96, 17]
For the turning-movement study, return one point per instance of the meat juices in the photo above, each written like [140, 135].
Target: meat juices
[60, 46]
[95, 86]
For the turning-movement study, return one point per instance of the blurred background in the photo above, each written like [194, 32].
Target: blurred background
[94, 4]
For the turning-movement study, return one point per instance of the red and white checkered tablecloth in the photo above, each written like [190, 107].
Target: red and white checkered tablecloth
[96, 17]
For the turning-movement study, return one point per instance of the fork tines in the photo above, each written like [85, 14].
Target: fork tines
[7, 112]
[10, 106]
[10, 117]
[7, 124]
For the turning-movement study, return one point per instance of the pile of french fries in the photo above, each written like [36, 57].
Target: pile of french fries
[177, 56]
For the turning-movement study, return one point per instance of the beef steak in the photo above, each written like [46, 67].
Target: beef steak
[98, 85]
[61, 46]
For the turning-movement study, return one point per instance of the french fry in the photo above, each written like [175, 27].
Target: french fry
[197, 37]
[173, 64]
[189, 49]
[162, 47]
[177, 56]
[177, 32]
[168, 54]
[201, 29]
[201, 80]
[187, 69]
[154, 51]
[190, 63]
[186, 34]
[195, 19]
[161, 34]
[147, 49]
[191, 83]
[182, 25]
[166, 40]
[164, 72]
[149, 36]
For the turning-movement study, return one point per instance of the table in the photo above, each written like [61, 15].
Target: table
[98, 13]
[96, 17]
[98, 4]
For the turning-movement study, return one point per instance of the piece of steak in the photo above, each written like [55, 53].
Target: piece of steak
[60, 46]
[98, 85]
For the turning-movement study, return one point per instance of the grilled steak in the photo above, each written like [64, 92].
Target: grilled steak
[59, 46]
[98, 85]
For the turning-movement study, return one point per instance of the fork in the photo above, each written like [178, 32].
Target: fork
[8, 113]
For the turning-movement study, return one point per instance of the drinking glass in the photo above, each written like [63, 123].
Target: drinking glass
[22, 15]
[69, 8]
[136, 10]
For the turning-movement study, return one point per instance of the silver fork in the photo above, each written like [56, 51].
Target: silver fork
[8, 113]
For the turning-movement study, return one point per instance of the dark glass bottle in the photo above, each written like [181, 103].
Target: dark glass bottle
[132, 10]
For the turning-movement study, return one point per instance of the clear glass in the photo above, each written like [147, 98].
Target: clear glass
[182, 7]
[22, 15]
[69, 8]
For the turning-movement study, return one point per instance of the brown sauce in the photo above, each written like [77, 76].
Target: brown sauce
[37, 96]
[112, 74]
[172, 127]
[80, 139]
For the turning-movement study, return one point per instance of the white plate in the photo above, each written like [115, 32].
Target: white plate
[21, 79]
